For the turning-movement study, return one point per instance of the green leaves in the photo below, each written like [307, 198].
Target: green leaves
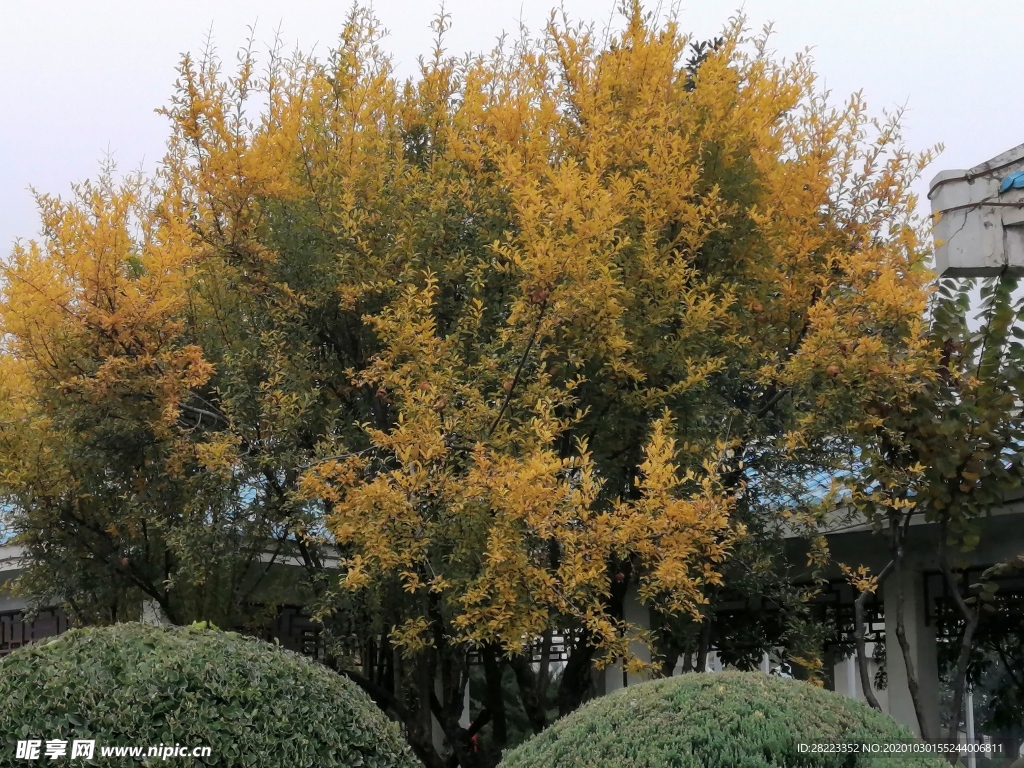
[963, 428]
[253, 704]
[721, 720]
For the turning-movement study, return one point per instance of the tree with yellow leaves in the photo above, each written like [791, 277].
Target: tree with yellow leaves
[483, 351]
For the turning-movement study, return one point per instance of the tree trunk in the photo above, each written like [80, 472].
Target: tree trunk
[913, 684]
[858, 633]
[532, 693]
[912, 681]
[703, 645]
[574, 687]
[971, 619]
[669, 660]
[421, 745]
[493, 669]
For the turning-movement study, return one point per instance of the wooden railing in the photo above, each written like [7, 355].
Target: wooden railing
[16, 630]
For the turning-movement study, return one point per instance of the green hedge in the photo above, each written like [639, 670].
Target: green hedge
[726, 720]
[254, 704]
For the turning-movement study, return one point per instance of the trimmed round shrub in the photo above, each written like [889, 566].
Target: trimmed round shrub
[253, 704]
[722, 720]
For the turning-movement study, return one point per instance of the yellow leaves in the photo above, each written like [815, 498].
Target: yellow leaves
[219, 455]
[860, 578]
[814, 667]
[679, 533]
[555, 231]
[91, 316]
[410, 581]
[534, 528]
[104, 280]
[327, 478]
[901, 503]
[412, 636]
[449, 312]
[818, 551]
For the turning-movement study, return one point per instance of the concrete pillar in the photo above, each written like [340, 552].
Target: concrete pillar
[850, 675]
[922, 641]
[465, 720]
[637, 614]
[845, 677]
[614, 677]
[972, 757]
[678, 668]
[152, 613]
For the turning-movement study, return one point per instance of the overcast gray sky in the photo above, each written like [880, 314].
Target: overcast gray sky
[81, 76]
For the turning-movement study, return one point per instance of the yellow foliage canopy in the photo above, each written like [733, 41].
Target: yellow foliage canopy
[493, 336]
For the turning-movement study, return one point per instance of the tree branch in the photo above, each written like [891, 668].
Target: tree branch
[519, 369]
[858, 634]
[913, 684]
[971, 619]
